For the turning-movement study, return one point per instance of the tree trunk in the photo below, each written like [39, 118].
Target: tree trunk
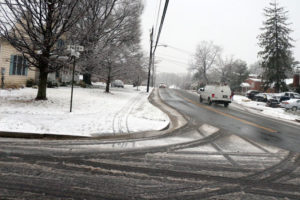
[277, 87]
[87, 78]
[108, 80]
[205, 77]
[41, 95]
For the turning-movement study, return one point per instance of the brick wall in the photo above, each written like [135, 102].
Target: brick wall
[254, 85]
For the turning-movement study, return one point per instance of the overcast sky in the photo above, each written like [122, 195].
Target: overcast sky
[232, 24]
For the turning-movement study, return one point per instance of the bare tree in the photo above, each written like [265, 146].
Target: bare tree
[224, 68]
[231, 71]
[34, 28]
[120, 62]
[205, 59]
[255, 68]
[136, 67]
[117, 49]
[97, 23]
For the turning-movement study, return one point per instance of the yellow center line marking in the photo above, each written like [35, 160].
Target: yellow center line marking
[228, 115]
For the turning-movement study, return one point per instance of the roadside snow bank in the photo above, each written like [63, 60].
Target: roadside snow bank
[260, 107]
[94, 112]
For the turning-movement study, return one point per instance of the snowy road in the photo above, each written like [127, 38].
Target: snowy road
[220, 166]
[194, 162]
[236, 121]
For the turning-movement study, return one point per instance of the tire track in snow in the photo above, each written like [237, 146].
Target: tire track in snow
[121, 117]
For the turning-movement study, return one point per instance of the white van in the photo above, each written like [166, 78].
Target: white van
[220, 94]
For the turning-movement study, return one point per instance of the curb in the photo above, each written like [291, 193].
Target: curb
[176, 121]
[38, 136]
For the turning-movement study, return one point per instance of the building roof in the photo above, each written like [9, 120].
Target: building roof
[245, 85]
[253, 75]
[255, 79]
[289, 81]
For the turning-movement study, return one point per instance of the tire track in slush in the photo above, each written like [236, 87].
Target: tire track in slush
[159, 173]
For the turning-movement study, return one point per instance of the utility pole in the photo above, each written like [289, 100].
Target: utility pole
[150, 59]
[155, 46]
[153, 71]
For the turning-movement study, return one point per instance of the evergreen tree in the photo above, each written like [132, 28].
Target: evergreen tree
[275, 41]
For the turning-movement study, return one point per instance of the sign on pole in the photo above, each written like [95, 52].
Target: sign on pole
[75, 47]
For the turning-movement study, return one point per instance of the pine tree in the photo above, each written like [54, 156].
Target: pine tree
[275, 41]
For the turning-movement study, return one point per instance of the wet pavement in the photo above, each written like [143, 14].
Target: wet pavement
[252, 126]
[198, 161]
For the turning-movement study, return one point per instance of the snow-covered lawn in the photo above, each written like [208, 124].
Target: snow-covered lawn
[94, 113]
[261, 108]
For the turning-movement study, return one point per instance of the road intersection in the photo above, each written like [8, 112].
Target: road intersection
[195, 160]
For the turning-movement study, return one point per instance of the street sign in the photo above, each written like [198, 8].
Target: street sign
[75, 53]
[77, 48]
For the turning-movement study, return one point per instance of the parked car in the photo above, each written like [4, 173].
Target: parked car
[219, 94]
[289, 95]
[269, 98]
[293, 104]
[273, 102]
[117, 83]
[251, 93]
[261, 97]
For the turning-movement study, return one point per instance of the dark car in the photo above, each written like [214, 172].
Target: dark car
[261, 97]
[273, 102]
[251, 93]
[289, 95]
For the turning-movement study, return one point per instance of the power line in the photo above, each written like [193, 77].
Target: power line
[155, 34]
[173, 58]
[179, 49]
[152, 53]
[174, 61]
[161, 24]
[182, 50]
[167, 55]
[157, 17]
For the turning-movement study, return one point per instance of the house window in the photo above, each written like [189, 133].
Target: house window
[18, 65]
[57, 74]
[60, 44]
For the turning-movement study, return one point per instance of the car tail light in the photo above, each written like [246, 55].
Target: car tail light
[213, 95]
[285, 102]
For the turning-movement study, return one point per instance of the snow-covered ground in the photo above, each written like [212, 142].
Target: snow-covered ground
[122, 111]
[261, 108]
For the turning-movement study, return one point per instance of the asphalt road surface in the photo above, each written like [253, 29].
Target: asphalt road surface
[250, 157]
[235, 121]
